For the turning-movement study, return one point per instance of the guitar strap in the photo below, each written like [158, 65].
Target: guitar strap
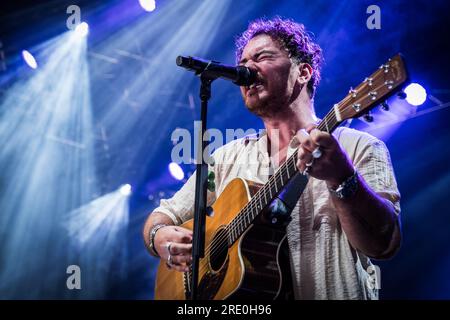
[293, 190]
[282, 206]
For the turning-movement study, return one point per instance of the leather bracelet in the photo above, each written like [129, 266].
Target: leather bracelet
[153, 231]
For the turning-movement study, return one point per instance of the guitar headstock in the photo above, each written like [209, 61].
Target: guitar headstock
[386, 81]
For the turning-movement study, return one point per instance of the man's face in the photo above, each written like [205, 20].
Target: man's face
[277, 75]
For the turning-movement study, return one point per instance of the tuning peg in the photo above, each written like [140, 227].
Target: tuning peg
[368, 117]
[401, 95]
[369, 81]
[389, 84]
[385, 106]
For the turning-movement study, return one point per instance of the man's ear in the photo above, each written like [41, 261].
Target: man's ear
[305, 73]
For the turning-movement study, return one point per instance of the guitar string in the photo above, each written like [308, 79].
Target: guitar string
[219, 243]
[214, 248]
[281, 170]
[325, 121]
[246, 208]
[236, 223]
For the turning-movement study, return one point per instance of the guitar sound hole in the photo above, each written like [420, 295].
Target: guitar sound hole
[219, 250]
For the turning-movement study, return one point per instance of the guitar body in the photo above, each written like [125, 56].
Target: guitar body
[255, 266]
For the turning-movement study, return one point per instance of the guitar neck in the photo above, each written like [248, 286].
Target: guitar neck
[275, 184]
[381, 84]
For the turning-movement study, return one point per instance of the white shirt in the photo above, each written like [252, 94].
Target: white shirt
[324, 265]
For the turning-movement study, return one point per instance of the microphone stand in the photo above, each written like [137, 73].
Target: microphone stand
[198, 245]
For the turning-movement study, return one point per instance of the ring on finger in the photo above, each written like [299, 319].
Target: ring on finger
[169, 244]
[309, 164]
[317, 153]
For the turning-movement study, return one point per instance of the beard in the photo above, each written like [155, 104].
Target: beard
[264, 109]
[268, 106]
[273, 104]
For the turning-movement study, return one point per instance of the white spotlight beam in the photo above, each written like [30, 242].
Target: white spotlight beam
[97, 233]
[178, 28]
[43, 177]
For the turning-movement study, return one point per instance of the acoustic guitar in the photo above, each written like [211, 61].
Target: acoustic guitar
[246, 252]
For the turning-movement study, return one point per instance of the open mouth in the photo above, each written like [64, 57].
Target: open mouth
[255, 87]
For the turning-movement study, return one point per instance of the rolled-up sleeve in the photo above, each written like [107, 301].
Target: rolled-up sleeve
[180, 207]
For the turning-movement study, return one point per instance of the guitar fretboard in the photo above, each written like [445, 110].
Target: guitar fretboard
[267, 193]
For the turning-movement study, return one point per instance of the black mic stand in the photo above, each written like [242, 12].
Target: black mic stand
[198, 244]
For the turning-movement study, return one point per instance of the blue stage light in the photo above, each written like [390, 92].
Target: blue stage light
[82, 29]
[148, 5]
[176, 171]
[125, 189]
[29, 59]
[415, 94]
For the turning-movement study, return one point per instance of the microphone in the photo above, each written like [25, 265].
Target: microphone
[242, 76]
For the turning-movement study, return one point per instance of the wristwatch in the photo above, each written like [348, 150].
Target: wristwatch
[347, 188]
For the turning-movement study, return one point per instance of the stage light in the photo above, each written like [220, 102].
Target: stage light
[29, 59]
[415, 94]
[96, 231]
[125, 189]
[49, 114]
[148, 5]
[176, 171]
[204, 25]
[82, 29]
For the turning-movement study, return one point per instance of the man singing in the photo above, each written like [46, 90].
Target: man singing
[349, 210]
